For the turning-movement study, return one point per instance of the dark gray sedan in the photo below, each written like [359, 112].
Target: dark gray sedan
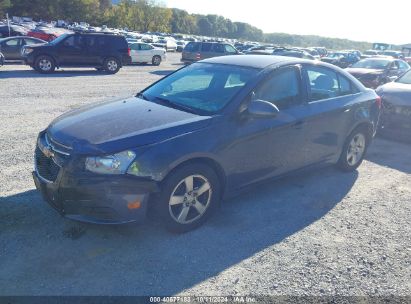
[11, 46]
[396, 113]
[201, 133]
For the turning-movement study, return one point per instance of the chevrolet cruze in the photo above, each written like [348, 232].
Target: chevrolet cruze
[203, 132]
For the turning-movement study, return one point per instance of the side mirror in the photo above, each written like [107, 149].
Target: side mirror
[262, 108]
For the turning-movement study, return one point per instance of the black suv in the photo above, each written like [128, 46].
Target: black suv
[105, 52]
[195, 51]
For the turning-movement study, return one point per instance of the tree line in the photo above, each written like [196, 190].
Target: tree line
[151, 15]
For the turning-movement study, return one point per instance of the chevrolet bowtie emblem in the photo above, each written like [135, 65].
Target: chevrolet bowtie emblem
[48, 151]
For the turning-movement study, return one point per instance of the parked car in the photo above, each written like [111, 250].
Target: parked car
[293, 53]
[395, 120]
[13, 30]
[201, 133]
[2, 60]
[144, 53]
[371, 53]
[341, 59]
[393, 54]
[168, 44]
[44, 33]
[103, 51]
[195, 51]
[12, 47]
[373, 72]
[181, 45]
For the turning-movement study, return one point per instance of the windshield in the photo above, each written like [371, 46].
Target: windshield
[406, 78]
[202, 87]
[335, 55]
[379, 64]
[58, 39]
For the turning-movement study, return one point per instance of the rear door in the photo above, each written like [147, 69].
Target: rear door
[11, 48]
[207, 50]
[135, 53]
[146, 52]
[331, 97]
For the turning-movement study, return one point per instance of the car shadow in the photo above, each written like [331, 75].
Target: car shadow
[57, 74]
[145, 259]
[391, 154]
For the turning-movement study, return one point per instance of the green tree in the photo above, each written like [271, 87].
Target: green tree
[4, 5]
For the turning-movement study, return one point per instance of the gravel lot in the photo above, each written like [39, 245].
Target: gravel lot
[323, 233]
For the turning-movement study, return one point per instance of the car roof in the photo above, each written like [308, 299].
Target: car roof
[254, 61]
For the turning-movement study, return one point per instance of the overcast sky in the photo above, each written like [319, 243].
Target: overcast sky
[362, 20]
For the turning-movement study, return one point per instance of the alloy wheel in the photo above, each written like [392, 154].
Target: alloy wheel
[356, 149]
[45, 65]
[190, 199]
[112, 65]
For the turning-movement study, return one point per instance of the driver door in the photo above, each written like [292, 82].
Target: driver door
[72, 51]
[269, 146]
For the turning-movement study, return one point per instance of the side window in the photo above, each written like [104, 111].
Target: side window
[135, 46]
[229, 49]
[74, 42]
[394, 65]
[13, 42]
[91, 42]
[323, 83]
[145, 47]
[206, 47]
[346, 86]
[192, 47]
[219, 48]
[281, 88]
[403, 65]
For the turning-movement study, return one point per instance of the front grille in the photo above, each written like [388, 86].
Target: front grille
[45, 166]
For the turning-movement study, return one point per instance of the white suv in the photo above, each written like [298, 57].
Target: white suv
[143, 53]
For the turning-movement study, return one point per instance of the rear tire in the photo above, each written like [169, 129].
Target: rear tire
[44, 64]
[111, 65]
[189, 196]
[354, 150]
[156, 60]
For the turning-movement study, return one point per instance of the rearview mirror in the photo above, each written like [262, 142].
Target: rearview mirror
[258, 107]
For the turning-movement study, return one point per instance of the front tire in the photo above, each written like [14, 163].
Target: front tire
[189, 196]
[156, 60]
[111, 65]
[44, 64]
[354, 150]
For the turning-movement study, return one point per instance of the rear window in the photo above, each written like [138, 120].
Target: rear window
[192, 47]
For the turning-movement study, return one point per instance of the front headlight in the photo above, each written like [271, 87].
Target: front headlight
[110, 164]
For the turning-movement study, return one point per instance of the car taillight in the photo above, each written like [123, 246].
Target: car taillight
[378, 102]
[198, 56]
[129, 51]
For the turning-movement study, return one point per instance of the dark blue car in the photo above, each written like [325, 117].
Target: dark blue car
[203, 132]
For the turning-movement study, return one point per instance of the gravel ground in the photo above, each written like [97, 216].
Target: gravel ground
[323, 233]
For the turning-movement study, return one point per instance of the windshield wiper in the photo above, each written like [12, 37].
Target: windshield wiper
[142, 96]
[175, 105]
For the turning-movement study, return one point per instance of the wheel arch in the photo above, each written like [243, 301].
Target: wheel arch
[366, 126]
[56, 62]
[210, 162]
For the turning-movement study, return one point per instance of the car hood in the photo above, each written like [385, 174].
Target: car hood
[360, 71]
[119, 125]
[396, 93]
